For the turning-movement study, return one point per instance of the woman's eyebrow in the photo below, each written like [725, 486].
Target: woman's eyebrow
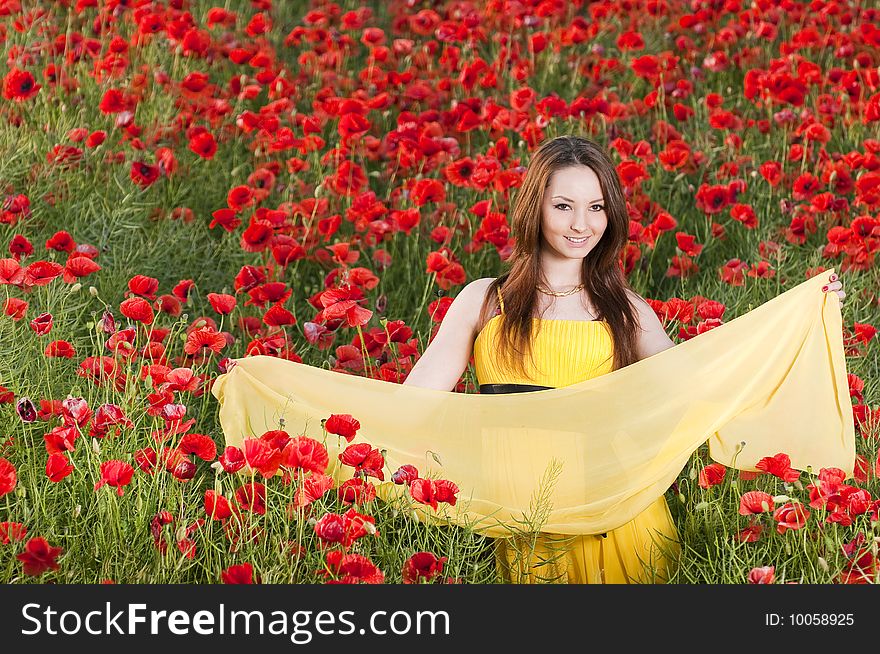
[570, 200]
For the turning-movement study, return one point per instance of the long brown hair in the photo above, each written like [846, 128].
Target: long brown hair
[601, 273]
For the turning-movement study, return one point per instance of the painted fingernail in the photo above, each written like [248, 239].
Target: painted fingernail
[824, 288]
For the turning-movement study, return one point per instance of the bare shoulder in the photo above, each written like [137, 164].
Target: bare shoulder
[473, 295]
[652, 337]
[639, 303]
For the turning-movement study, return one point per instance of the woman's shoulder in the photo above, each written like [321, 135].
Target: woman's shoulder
[478, 294]
[478, 288]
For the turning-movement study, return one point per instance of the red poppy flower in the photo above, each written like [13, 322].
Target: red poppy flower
[252, 497]
[304, 453]
[364, 458]
[200, 340]
[201, 445]
[184, 470]
[342, 303]
[115, 473]
[422, 566]
[217, 506]
[232, 459]
[41, 273]
[58, 466]
[7, 477]
[762, 575]
[261, 456]
[238, 574]
[222, 303]
[19, 85]
[343, 425]
[239, 197]
[144, 286]
[20, 247]
[79, 266]
[15, 308]
[143, 174]
[349, 179]
[12, 531]
[75, 411]
[744, 214]
[351, 569]
[345, 528]
[712, 475]
[146, 459]
[405, 474]
[750, 534]
[203, 144]
[96, 138]
[61, 439]
[112, 102]
[790, 516]
[61, 241]
[827, 489]
[60, 349]
[11, 272]
[108, 415]
[182, 380]
[431, 492]
[712, 199]
[39, 556]
[311, 489]
[156, 523]
[779, 466]
[755, 502]
[138, 309]
[182, 288]
[277, 316]
[101, 369]
[771, 171]
[356, 491]
[805, 186]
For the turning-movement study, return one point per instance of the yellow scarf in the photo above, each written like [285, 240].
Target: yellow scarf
[772, 380]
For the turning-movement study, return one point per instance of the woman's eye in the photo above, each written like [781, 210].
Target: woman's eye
[561, 204]
[598, 205]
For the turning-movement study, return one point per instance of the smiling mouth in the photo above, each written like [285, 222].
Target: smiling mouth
[576, 240]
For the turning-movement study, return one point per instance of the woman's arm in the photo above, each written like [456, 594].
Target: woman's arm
[446, 357]
[653, 337]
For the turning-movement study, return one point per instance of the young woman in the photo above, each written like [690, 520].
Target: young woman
[564, 313]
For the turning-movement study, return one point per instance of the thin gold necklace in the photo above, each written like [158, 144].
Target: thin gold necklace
[558, 294]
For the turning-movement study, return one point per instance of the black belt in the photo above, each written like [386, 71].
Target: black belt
[511, 388]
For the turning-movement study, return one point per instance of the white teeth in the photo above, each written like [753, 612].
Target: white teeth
[578, 240]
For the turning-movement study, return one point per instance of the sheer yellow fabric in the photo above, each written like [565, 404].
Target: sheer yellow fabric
[773, 379]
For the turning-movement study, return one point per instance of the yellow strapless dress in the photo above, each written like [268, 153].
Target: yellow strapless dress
[643, 550]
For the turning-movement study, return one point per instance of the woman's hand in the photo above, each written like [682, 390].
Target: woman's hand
[837, 286]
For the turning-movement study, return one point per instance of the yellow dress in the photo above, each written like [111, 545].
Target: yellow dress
[771, 380]
[567, 352]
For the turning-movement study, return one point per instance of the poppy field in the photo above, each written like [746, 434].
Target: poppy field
[187, 182]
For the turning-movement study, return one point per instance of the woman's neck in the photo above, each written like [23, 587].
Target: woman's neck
[560, 275]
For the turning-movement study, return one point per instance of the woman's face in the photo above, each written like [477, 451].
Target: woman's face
[573, 206]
